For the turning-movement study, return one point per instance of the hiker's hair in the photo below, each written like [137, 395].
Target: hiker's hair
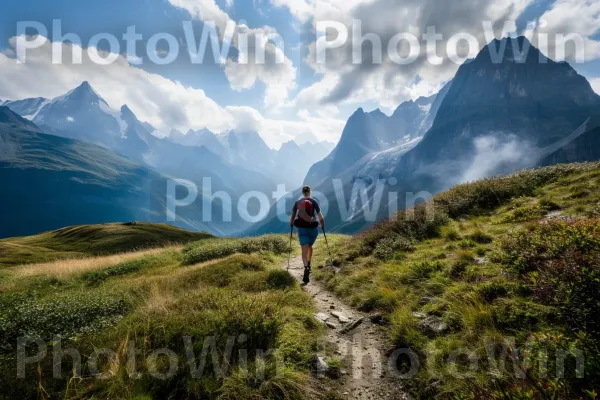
[306, 189]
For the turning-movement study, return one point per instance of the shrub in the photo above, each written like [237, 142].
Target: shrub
[467, 244]
[549, 205]
[65, 314]
[212, 249]
[521, 314]
[386, 248]
[561, 263]
[423, 270]
[535, 248]
[488, 194]
[450, 234]
[458, 268]
[480, 237]
[490, 291]
[415, 226]
[279, 279]
[222, 273]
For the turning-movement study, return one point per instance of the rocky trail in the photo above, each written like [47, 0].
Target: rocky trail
[358, 340]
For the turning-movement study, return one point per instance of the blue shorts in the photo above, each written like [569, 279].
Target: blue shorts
[308, 236]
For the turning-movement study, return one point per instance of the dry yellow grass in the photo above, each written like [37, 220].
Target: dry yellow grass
[63, 269]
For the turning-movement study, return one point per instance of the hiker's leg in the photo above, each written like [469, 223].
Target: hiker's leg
[305, 254]
[309, 254]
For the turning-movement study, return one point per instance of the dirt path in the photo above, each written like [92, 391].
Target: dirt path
[366, 374]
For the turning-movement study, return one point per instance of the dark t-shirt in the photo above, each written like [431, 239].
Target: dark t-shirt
[315, 204]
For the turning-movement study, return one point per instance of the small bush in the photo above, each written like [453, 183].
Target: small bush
[458, 268]
[535, 248]
[450, 234]
[467, 244]
[421, 224]
[223, 272]
[423, 270]
[549, 205]
[65, 314]
[480, 237]
[480, 251]
[279, 279]
[485, 195]
[490, 291]
[386, 248]
[212, 249]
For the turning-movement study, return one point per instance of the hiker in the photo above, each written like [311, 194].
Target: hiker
[306, 209]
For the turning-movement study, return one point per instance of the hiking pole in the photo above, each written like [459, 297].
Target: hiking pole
[327, 243]
[290, 250]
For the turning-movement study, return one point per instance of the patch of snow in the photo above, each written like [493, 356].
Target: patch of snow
[44, 104]
[116, 115]
[158, 134]
[426, 108]
[70, 119]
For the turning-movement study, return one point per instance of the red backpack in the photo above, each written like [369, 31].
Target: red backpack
[306, 213]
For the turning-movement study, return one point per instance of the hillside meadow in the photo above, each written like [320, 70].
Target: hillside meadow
[216, 318]
[494, 285]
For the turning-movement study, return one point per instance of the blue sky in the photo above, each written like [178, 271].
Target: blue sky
[299, 99]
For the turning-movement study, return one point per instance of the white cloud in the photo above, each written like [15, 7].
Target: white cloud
[279, 77]
[277, 131]
[389, 84]
[580, 17]
[164, 103]
[303, 10]
[595, 82]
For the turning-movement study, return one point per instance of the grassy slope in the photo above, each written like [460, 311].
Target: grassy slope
[154, 301]
[489, 269]
[91, 240]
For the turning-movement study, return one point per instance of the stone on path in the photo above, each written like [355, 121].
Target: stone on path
[322, 317]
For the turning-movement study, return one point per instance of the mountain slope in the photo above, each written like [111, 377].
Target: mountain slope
[28, 108]
[494, 118]
[509, 262]
[525, 106]
[585, 147]
[82, 114]
[248, 150]
[374, 132]
[92, 240]
[54, 181]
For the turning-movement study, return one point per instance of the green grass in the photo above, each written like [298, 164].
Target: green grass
[92, 240]
[207, 250]
[155, 302]
[507, 258]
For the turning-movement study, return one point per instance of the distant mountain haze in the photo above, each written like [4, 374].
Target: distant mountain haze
[83, 115]
[288, 165]
[50, 182]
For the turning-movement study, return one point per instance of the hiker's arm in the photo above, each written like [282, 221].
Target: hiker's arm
[321, 220]
[293, 217]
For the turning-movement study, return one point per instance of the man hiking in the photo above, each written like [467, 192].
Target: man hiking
[307, 209]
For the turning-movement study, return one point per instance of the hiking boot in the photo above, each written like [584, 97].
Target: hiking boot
[306, 278]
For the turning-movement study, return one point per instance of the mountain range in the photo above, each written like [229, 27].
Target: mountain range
[491, 118]
[288, 165]
[235, 163]
[50, 181]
